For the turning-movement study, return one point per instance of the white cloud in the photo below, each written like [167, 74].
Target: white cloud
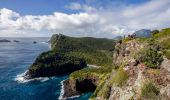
[83, 7]
[91, 21]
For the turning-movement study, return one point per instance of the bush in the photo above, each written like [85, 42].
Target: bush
[120, 77]
[167, 54]
[151, 57]
[148, 90]
[154, 32]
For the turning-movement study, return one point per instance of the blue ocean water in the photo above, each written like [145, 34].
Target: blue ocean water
[15, 59]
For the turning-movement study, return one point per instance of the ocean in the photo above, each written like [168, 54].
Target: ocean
[15, 59]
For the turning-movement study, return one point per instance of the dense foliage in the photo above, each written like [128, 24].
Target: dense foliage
[151, 57]
[51, 58]
[163, 39]
[96, 51]
[54, 63]
[96, 72]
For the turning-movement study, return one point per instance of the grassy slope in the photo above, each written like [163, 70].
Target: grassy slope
[93, 50]
[163, 38]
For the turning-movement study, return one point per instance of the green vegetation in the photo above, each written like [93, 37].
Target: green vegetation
[52, 59]
[100, 74]
[162, 38]
[162, 33]
[105, 92]
[96, 72]
[120, 77]
[167, 53]
[154, 32]
[56, 60]
[69, 51]
[148, 90]
[151, 57]
[96, 51]
[127, 39]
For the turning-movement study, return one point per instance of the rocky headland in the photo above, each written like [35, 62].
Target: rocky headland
[135, 68]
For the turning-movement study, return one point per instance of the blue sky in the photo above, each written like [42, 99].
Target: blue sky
[41, 7]
[96, 18]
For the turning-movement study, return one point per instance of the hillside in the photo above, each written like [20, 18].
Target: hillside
[97, 51]
[140, 71]
[69, 54]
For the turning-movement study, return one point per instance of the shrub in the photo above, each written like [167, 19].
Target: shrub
[148, 90]
[154, 32]
[105, 92]
[167, 54]
[151, 57]
[120, 77]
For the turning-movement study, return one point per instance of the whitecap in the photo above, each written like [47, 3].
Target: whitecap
[62, 93]
[20, 78]
[44, 42]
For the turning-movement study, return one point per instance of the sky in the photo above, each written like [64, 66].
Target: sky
[81, 18]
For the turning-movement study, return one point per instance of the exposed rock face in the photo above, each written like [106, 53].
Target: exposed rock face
[165, 92]
[166, 64]
[125, 52]
[77, 87]
[70, 89]
[138, 75]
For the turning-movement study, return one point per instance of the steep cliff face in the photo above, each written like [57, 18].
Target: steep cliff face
[134, 79]
[140, 71]
[125, 52]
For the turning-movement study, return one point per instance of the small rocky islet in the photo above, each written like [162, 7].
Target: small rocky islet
[131, 68]
[4, 40]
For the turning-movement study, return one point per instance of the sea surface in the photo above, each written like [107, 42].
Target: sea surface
[15, 59]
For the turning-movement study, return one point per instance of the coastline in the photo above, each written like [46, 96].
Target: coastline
[62, 92]
[20, 78]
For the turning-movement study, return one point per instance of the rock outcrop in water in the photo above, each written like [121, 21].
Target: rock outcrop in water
[5, 40]
[77, 87]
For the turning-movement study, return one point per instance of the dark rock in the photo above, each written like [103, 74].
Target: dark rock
[34, 42]
[77, 87]
[5, 40]
[16, 41]
[70, 89]
[86, 85]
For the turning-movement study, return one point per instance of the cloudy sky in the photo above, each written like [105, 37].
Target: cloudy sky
[96, 18]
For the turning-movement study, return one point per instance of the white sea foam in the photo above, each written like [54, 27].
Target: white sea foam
[21, 79]
[62, 93]
[49, 44]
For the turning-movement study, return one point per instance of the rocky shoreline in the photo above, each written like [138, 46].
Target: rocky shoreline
[76, 87]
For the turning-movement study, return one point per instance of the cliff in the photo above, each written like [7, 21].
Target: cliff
[140, 71]
[69, 54]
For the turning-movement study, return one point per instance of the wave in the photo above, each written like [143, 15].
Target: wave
[62, 93]
[21, 79]
[49, 44]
